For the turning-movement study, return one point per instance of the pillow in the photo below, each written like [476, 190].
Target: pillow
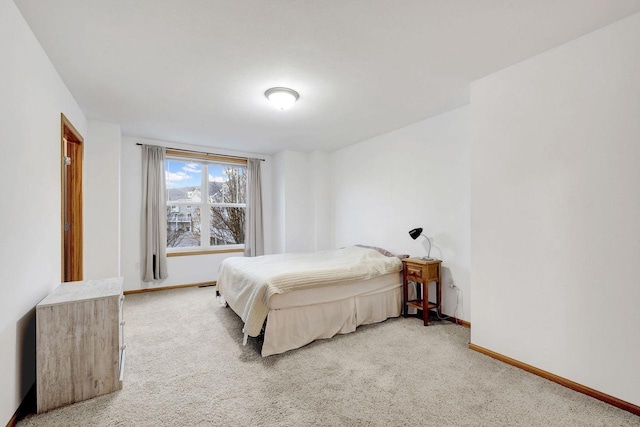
[383, 251]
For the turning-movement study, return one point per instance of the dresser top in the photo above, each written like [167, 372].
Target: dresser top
[85, 290]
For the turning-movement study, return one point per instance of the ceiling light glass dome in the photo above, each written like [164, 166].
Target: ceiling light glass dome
[281, 97]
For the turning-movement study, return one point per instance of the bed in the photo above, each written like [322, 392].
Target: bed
[295, 299]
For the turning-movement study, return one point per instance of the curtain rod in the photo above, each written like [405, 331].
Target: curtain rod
[210, 154]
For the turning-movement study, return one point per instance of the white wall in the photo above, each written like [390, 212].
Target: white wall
[321, 187]
[556, 205]
[101, 200]
[33, 96]
[298, 234]
[278, 203]
[417, 176]
[183, 269]
[302, 200]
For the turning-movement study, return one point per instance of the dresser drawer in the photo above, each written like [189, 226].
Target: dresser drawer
[414, 270]
[123, 346]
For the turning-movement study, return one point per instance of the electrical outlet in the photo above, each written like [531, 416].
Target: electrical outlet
[137, 266]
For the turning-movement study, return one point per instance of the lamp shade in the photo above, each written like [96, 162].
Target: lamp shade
[282, 97]
[415, 233]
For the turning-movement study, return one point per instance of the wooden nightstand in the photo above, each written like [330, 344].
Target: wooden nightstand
[422, 271]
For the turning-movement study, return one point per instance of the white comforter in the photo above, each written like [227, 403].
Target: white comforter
[248, 283]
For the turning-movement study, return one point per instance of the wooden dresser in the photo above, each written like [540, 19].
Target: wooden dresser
[79, 342]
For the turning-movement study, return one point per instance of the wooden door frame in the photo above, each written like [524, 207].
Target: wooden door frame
[69, 133]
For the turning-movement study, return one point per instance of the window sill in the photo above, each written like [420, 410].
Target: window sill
[204, 252]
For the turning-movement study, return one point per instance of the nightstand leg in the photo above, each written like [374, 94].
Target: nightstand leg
[425, 303]
[439, 291]
[405, 292]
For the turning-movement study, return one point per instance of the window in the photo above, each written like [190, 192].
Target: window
[206, 202]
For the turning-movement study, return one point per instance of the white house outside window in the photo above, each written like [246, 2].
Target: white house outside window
[206, 204]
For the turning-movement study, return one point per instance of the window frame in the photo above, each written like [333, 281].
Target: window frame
[204, 160]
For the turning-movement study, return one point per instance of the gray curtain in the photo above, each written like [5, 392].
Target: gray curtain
[154, 214]
[253, 236]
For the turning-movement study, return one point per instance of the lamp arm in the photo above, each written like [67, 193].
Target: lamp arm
[428, 240]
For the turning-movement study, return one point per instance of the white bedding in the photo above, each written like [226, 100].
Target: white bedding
[334, 292]
[293, 327]
[247, 284]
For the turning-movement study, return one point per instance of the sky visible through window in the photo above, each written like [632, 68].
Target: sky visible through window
[180, 173]
[194, 215]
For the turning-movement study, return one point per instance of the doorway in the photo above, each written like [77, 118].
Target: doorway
[71, 180]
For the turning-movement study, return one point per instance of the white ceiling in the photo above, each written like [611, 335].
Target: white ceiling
[195, 71]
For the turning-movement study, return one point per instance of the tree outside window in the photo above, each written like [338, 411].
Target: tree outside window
[200, 192]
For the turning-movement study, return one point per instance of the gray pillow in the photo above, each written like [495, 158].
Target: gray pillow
[384, 251]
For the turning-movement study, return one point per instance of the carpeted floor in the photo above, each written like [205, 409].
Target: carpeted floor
[186, 366]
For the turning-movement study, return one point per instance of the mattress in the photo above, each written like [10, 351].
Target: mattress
[295, 326]
[249, 285]
[335, 292]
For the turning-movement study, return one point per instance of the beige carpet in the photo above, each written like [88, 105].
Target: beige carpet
[186, 367]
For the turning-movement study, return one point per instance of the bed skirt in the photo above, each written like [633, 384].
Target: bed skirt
[294, 327]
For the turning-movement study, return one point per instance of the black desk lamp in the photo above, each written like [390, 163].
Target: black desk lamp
[417, 232]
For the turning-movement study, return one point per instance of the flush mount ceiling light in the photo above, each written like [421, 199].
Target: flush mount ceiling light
[282, 97]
